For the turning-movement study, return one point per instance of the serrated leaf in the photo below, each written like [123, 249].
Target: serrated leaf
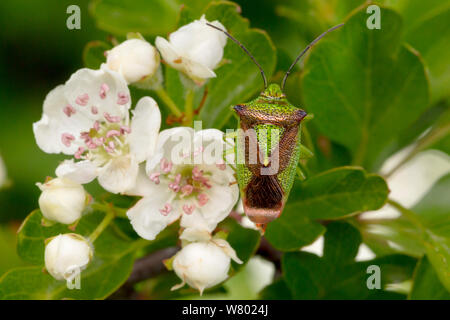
[239, 79]
[428, 31]
[334, 194]
[114, 255]
[337, 275]
[429, 234]
[364, 87]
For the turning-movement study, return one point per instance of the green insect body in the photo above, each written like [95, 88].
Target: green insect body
[268, 146]
[275, 138]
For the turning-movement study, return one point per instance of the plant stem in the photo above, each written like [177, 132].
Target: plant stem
[410, 215]
[110, 215]
[426, 141]
[189, 107]
[164, 96]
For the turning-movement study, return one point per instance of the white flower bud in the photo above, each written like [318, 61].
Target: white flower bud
[203, 265]
[134, 59]
[67, 255]
[62, 200]
[195, 49]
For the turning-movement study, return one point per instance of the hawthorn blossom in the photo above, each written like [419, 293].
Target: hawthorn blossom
[203, 265]
[66, 255]
[187, 179]
[134, 59]
[88, 117]
[62, 200]
[195, 49]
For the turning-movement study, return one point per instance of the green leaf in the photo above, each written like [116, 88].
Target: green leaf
[426, 285]
[239, 79]
[244, 241]
[425, 229]
[278, 290]
[334, 194]
[337, 275]
[364, 87]
[94, 54]
[156, 17]
[428, 31]
[113, 260]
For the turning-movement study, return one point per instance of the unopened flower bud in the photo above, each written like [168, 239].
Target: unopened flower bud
[195, 49]
[67, 255]
[134, 59]
[62, 200]
[203, 265]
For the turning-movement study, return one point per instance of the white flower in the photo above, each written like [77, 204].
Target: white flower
[67, 255]
[195, 49]
[134, 59]
[188, 179]
[203, 265]
[2, 173]
[88, 117]
[62, 200]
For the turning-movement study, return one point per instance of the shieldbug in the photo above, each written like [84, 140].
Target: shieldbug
[268, 146]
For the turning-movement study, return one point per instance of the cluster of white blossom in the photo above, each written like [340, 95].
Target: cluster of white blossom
[89, 119]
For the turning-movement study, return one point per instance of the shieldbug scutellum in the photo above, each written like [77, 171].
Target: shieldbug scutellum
[271, 125]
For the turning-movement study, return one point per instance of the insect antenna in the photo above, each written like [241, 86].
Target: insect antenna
[245, 49]
[304, 51]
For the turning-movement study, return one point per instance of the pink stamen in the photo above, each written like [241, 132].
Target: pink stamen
[125, 129]
[166, 166]
[79, 153]
[99, 141]
[94, 110]
[91, 144]
[110, 118]
[82, 100]
[104, 88]
[69, 110]
[96, 126]
[67, 139]
[155, 177]
[175, 185]
[187, 190]
[112, 133]
[188, 209]
[202, 199]
[111, 145]
[166, 210]
[122, 98]
[197, 173]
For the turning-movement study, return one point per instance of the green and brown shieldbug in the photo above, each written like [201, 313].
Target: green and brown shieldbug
[268, 146]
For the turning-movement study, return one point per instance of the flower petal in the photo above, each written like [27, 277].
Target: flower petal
[82, 172]
[172, 144]
[143, 186]
[193, 69]
[222, 199]
[104, 89]
[55, 123]
[145, 216]
[119, 175]
[144, 129]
